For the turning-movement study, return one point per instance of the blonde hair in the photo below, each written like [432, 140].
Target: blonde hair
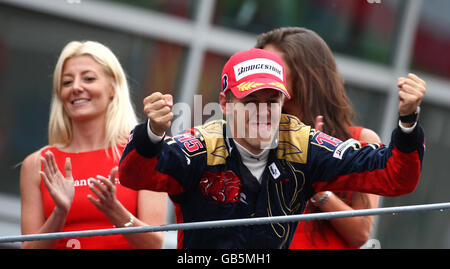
[120, 115]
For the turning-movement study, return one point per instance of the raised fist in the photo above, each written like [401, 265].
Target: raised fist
[158, 108]
[410, 94]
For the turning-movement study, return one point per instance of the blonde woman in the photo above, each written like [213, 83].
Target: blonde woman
[71, 184]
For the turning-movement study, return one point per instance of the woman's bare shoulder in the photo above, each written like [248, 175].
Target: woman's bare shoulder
[369, 136]
[31, 165]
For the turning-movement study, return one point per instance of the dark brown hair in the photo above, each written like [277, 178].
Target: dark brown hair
[317, 86]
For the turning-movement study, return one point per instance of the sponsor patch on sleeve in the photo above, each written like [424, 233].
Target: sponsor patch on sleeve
[190, 144]
[342, 147]
[325, 141]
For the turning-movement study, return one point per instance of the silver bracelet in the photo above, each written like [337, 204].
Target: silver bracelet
[322, 199]
[129, 223]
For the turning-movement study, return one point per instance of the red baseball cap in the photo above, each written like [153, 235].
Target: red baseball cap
[253, 70]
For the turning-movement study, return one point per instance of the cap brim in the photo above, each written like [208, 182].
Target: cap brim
[249, 87]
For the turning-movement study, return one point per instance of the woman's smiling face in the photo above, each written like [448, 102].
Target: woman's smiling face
[86, 89]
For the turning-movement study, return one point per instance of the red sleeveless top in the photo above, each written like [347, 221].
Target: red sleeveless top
[83, 215]
[307, 236]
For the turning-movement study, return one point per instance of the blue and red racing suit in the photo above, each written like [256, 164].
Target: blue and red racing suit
[204, 176]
